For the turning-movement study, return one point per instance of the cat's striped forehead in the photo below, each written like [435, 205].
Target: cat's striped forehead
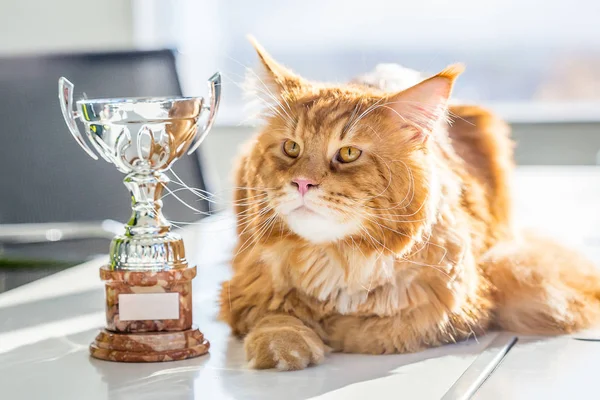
[331, 116]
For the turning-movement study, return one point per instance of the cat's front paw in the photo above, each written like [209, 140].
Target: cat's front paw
[286, 348]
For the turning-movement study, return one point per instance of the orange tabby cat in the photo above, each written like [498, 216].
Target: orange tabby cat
[367, 223]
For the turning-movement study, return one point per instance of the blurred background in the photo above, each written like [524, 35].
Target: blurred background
[538, 66]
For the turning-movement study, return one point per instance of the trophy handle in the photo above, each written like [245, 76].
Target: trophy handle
[214, 87]
[65, 95]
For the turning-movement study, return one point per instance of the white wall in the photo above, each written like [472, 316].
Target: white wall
[33, 26]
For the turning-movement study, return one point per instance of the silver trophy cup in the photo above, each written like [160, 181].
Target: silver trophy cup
[143, 137]
[148, 279]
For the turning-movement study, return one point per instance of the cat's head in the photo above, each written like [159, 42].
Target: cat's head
[348, 162]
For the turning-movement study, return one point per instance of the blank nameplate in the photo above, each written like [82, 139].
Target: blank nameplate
[144, 306]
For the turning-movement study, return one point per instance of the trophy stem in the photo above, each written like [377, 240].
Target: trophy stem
[148, 243]
[146, 194]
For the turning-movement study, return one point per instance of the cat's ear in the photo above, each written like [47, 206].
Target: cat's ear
[425, 104]
[272, 75]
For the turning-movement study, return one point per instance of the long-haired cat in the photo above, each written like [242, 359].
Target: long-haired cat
[369, 223]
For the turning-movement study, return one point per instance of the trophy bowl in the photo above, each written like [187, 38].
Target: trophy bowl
[142, 135]
[148, 279]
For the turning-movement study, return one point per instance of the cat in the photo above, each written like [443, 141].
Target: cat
[368, 222]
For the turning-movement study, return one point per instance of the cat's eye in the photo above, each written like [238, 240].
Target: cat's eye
[348, 154]
[291, 148]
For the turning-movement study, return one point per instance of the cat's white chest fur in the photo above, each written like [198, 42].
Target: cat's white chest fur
[343, 279]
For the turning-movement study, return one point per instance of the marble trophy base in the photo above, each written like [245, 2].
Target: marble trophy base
[149, 346]
[148, 317]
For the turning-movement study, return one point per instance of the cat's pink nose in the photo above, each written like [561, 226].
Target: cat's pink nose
[303, 185]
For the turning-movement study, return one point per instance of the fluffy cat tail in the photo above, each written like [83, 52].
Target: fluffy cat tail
[542, 287]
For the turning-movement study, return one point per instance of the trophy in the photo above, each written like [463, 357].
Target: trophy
[148, 281]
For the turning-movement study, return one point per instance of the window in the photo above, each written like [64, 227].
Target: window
[527, 59]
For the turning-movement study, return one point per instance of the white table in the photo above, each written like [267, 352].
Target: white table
[46, 327]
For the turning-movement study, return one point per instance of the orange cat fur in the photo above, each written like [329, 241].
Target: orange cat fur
[406, 247]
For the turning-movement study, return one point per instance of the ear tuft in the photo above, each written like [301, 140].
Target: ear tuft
[452, 71]
[265, 58]
[253, 41]
[274, 75]
[269, 87]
